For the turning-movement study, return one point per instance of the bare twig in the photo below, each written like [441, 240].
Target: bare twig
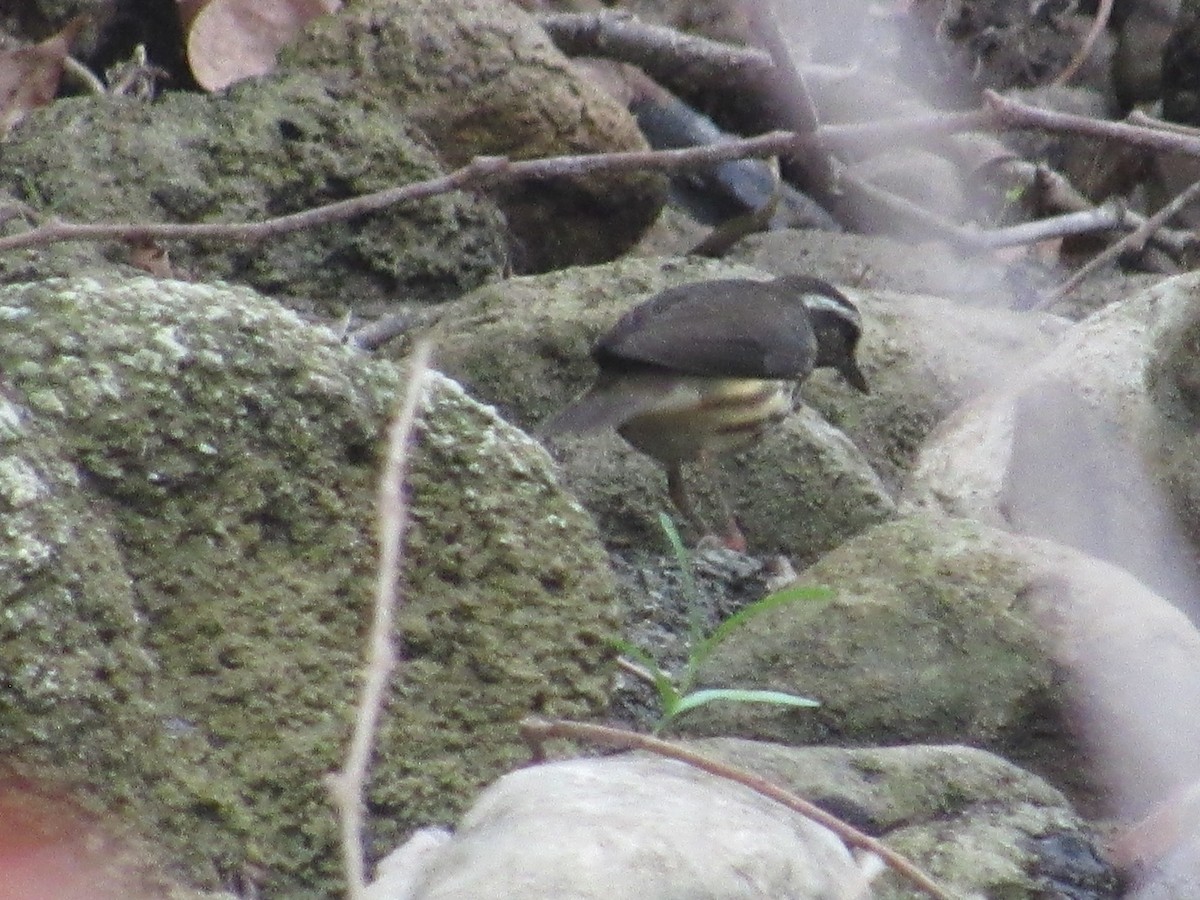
[536, 732]
[635, 670]
[800, 112]
[789, 89]
[665, 54]
[83, 76]
[1135, 241]
[1015, 114]
[347, 787]
[1087, 220]
[481, 172]
[484, 171]
[1145, 120]
[1099, 23]
[1106, 217]
[1057, 193]
[382, 330]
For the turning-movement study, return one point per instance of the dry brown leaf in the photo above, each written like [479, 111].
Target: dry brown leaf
[152, 257]
[229, 40]
[29, 76]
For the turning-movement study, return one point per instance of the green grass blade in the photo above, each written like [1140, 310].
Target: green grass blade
[702, 650]
[739, 695]
[684, 560]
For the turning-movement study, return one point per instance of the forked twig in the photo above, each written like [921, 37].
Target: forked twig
[1135, 241]
[1099, 23]
[347, 787]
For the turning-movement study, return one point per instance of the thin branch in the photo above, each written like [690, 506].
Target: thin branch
[481, 172]
[799, 109]
[1106, 217]
[1135, 241]
[83, 76]
[1099, 23]
[484, 171]
[663, 53]
[374, 335]
[636, 671]
[1138, 117]
[1015, 114]
[1088, 220]
[790, 91]
[347, 787]
[1056, 192]
[536, 732]
[885, 134]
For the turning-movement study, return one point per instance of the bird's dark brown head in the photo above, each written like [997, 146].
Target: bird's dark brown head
[837, 325]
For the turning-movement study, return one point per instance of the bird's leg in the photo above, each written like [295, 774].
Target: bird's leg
[733, 538]
[677, 491]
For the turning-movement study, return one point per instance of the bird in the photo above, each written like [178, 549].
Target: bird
[709, 367]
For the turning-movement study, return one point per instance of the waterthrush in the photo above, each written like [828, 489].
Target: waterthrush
[708, 367]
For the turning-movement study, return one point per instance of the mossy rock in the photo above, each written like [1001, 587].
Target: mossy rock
[188, 560]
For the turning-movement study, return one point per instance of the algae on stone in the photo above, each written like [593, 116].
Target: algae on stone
[264, 148]
[208, 478]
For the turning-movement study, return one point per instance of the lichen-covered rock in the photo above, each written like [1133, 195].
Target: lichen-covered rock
[920, 611]
[481, 78]
[945, 629]
[265, 148]
[76, 677]
[979, 825]
[187, 561]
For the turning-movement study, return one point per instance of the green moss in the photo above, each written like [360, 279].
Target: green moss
[264, 148]
[229, 452]
[920, 609]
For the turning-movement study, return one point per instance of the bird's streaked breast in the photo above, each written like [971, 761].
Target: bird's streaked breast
[723, 414]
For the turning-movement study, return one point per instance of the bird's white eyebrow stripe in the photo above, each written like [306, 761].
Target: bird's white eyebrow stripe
[831, 303]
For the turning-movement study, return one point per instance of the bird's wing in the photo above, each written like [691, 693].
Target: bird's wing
[614, 400]
[734, 327]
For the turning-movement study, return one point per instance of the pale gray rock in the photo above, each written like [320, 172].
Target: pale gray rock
[1131, 666]
[977, 824]
[1060, 451]
[622, 828]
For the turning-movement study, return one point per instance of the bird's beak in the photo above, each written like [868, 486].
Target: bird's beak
[853, 374]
